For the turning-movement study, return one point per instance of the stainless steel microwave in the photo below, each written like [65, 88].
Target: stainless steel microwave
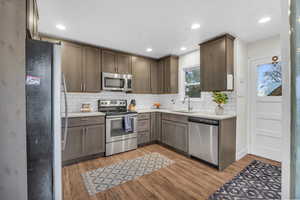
[116, 82]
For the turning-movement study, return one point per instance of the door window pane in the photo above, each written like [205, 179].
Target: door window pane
[269, 82]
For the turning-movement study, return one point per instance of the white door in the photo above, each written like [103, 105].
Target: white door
[265, 109]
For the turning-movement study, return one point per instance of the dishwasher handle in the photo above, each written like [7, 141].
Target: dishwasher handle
[204, 121]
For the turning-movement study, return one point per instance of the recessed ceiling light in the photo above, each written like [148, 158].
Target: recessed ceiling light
[183, 48]
[60, 27]
[195, 26]
[148, 49]
[264, 20]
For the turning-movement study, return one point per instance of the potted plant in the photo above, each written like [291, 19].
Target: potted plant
[220, 99]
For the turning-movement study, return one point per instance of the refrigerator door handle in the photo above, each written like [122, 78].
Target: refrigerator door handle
[65, 136]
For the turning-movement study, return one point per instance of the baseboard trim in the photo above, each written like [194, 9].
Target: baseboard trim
[241, 153]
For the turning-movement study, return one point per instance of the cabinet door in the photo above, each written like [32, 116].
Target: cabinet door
[160, 76]
[123, 63]
[91, 70]
[94, 139]
[173, 75]
[74, 145]
[158, 125]
[109, 60]
[213, 69]
[143, 137]
[141, 75]
[167, 72]
[72, 60]
[154, 77]
[175, 135]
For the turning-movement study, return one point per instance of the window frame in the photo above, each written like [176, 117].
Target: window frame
[183, 82]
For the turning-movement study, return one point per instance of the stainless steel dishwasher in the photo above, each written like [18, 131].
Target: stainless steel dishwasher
[203, 139]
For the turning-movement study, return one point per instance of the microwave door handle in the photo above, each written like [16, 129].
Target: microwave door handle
[125, 84]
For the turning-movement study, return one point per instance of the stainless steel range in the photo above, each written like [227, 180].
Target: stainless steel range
[121, 126]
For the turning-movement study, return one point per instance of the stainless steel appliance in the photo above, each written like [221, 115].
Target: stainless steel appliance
[43, 122]
[117, 82]
[117, 138]
[203, 139]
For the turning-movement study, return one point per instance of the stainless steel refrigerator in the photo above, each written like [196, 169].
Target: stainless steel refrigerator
[43, 122]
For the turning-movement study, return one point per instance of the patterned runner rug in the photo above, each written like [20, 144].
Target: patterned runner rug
[107, 177]
[257, 181]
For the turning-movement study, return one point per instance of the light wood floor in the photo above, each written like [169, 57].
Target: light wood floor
[185, 179]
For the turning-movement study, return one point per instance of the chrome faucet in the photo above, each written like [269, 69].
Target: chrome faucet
[190, 108]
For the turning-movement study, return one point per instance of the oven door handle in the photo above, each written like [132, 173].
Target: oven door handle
[134, 124]
[118, 117]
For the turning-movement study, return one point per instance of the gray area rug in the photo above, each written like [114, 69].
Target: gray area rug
[107, 177]
[257, 181]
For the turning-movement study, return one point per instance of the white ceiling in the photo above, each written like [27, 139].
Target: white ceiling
[163, 25]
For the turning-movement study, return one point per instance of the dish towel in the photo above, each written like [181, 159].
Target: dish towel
[127, 124]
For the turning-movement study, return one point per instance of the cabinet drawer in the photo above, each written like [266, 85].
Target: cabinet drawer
[143, 125]
[144, 116]
[82, 121]
[143, 137]
[176, 118]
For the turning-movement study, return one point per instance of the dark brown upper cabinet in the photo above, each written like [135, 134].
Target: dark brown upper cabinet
[154, 77]
[109, 61]
[168, 66]
[141, 69]
[115, 62]
[160, 76]
[81, 67]
[123, 63]
[72, 60]
[217, 57]
[32, 16]
[91, 69]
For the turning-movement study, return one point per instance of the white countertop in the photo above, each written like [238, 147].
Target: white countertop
[84, 114]
[192, 114]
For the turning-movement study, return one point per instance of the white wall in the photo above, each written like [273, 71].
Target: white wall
[13, 168]
[266, 47]
[240, 70]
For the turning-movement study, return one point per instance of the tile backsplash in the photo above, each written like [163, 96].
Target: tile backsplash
[145, 101]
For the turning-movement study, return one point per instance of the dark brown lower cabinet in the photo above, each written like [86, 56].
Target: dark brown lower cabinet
[155, 127]
[144, 127]
[83, 141]
[143, 137]
[74, 145]
[94, 140]
[175, 134]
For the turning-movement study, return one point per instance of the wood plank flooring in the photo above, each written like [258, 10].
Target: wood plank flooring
[183, 180]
